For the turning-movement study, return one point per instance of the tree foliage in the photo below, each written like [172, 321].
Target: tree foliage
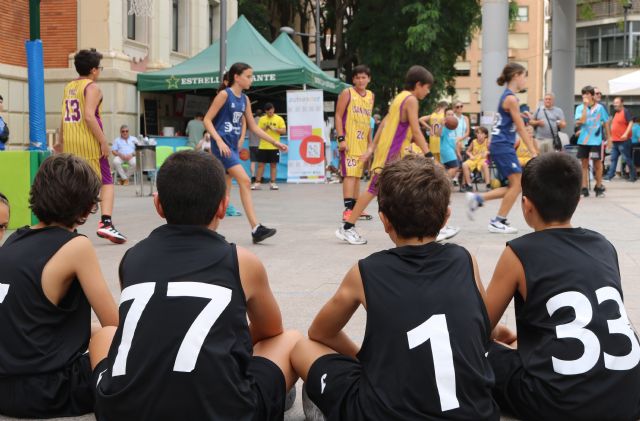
[389, 36]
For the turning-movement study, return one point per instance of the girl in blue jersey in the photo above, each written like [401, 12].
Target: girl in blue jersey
[224, 122]
[502, 151]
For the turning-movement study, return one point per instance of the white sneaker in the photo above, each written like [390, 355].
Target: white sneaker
[501, 228]
[472, 204]
[256, 186]
[447, 232]
[351, 236]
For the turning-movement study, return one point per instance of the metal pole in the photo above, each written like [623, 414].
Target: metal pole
[318, 49]
[34, 20]
[624, 37]
[223, 37]
[563, 58]
[495, 20]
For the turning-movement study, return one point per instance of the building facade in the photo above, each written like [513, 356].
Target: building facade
[526, 46]
[175, 31]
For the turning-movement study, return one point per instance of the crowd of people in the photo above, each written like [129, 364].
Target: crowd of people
[198, 333]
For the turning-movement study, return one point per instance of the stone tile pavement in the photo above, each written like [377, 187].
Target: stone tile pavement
[305, 261]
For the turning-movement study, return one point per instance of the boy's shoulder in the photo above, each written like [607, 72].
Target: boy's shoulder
[398, 254]
[542, 241]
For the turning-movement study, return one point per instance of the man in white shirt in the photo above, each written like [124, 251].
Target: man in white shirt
[124, 150]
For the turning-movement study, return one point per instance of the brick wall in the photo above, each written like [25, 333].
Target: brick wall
[58, 29]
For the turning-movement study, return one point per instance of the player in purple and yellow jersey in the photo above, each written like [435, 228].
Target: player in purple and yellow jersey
[353, 126]
[393, 140]
[82, 134]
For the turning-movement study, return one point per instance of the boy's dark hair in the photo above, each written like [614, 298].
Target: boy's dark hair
[361, 68]
[1, 99]
[199, 114]
[414, 195]
[417, 74]
[191, 185]
[3, 199]
[65, 189]
[85, 60]
[588, 90]
[268, 106]
[552, 182]
[483, 130]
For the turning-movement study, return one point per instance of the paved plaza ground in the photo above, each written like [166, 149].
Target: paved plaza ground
[306, 262]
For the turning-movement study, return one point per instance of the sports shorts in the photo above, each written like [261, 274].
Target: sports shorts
[101, 168]
[350, 165]
[475, 165]
[227, 162]
[591, 152]
[333, 384]
[451, 164]
[253, 153]
[268, 156]
[506, 163]
[64, 393]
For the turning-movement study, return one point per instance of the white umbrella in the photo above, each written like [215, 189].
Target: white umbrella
[627, 82]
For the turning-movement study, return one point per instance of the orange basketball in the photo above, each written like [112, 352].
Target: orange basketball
[244, 154]
[451, 122]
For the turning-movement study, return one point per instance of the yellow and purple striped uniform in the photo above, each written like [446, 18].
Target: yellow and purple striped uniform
[395, 139]
[479, 150]
[356, 122]
[78, 138]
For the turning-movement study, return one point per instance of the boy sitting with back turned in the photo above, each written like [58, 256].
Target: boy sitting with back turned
[184, 348]
[577, 354]
[427, 328]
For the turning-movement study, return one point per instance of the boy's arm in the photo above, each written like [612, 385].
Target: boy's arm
[373, 145]
[265, 320]
[508, 277]
[93, 95]
[327, 326]
[424, 121]
[58, 146]
[412, 117]
[255, 129]
[87, 270]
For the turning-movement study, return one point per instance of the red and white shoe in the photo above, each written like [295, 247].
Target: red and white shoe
[110, 233]
[346, 214]
[364, 216]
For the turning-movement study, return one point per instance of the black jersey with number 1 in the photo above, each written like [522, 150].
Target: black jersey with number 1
[579, 352]
[423, 355]
[183, 346]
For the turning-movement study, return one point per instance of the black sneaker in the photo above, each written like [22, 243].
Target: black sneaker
[585, 192]
[262, 233]
[599, 191]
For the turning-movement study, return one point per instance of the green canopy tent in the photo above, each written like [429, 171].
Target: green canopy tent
[244, 44]
[319, 79]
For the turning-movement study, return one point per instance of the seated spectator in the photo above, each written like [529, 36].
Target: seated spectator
[49, 283]
[124, 150]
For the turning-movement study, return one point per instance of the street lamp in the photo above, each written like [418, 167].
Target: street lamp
[290, 31]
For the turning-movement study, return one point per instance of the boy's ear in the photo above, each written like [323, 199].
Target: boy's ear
[528, 207]
[385, 222]
[446, 218]
[222, 208]
[158, 205]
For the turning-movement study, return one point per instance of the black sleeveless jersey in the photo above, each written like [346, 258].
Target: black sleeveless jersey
[37, 336]
[182, 348]
[577, 346]
[423, 354]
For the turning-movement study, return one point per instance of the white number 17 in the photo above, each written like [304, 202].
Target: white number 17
[219, 297]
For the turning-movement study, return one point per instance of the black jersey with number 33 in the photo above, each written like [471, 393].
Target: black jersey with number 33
[577, 346]
[183, 346]
[423, 355]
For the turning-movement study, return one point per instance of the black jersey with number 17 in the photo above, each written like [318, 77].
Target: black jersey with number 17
[182, 348]
[578, 349]
[423, 355]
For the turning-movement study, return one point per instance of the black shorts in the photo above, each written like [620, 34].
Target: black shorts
[253, 153]
[591, 152]
[64, 393]
[268, 156]
[333, 384]
[451, 164]
[270, 386]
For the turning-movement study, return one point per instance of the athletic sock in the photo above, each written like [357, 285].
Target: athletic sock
[348, 225]
[479, 199]
[500, 219]
[349, 203]
[254, 229]
[106, 220]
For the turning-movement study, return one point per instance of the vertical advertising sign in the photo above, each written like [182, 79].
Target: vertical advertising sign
[305, 123]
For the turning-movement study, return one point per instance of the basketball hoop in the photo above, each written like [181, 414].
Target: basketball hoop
[141, 8]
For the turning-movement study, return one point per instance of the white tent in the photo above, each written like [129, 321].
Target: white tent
[627, 82]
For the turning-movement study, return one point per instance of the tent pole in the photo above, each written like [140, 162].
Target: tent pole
[138, 114]
[304, 87]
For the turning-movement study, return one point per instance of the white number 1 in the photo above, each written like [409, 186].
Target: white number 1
[4, 289]
[436, 330]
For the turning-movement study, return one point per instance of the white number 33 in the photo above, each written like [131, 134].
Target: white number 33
[576, 330]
